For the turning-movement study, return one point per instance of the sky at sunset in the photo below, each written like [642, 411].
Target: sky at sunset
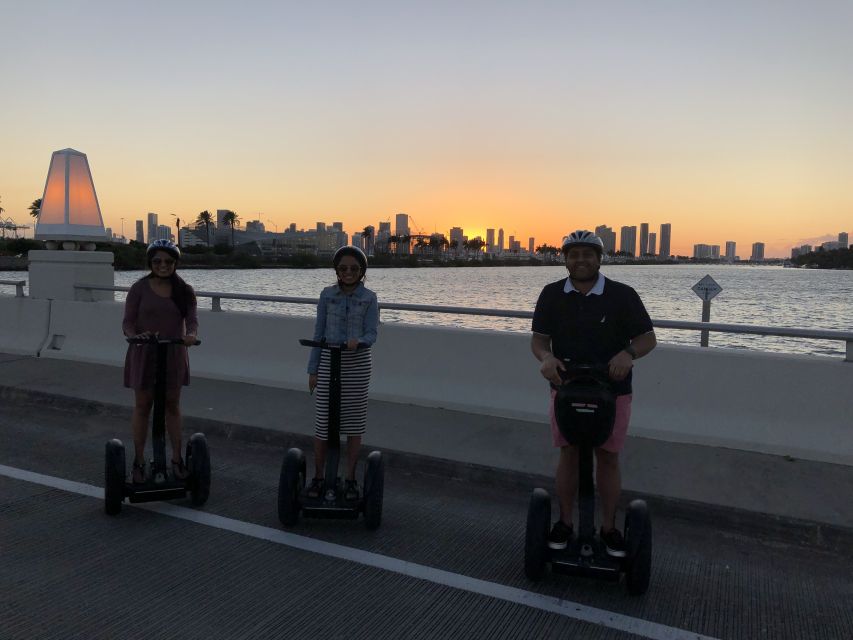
[729, 120]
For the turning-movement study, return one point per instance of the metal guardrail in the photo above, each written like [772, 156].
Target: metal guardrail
[784, 332]
[18, 284]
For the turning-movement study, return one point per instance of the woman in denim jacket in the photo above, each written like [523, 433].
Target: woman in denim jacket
[347, 313]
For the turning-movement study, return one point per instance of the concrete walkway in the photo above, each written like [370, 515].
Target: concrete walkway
[805, 500]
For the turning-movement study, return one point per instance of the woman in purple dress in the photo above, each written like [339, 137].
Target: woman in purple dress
[160, 303]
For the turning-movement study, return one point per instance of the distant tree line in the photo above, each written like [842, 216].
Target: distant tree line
[832, 259]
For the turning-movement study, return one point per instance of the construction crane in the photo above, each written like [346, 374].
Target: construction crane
[7, 224]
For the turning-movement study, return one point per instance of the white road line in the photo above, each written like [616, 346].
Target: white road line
[577, 611]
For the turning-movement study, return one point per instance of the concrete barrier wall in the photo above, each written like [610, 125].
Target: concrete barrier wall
[23, 325]
[772, 403]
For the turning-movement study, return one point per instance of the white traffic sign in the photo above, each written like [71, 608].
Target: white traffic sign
[707, 288]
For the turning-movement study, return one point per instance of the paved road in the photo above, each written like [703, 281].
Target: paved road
[228, 571]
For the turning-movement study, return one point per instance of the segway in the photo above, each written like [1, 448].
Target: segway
[585, 409]
[159, 484]
[332, 503]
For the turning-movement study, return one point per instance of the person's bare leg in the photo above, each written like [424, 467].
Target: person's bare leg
[567, 482]
[353, 447]
[609, 482]
[173, 427]
[319, 457]
[143, 402]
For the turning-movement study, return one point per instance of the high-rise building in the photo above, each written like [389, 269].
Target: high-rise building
[731, 250]
[665, 231]
[457, 236]
[369, 239]
[757, 252]
[653, 242]
[843, 240]
[643, 249]
[706, 251]
[500, 240]
[608, 238]
[152, 227]
[715, 251]
[321, 226]
[490, 240]
[164, 232]
[628, 240]
[530, 247]
[140, 232]
[255, 226]
[402, 226]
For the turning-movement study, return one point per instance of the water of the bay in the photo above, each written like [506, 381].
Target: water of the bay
[769, 296]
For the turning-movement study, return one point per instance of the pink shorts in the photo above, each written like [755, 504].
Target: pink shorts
[616, 440]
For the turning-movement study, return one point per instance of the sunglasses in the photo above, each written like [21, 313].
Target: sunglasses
[351, 268]
[167, 261]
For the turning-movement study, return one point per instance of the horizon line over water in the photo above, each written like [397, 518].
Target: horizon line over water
[758, 295]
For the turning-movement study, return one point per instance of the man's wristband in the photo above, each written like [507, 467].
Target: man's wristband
[631, 351]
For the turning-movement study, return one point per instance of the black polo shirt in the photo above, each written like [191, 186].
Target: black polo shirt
[591, 329]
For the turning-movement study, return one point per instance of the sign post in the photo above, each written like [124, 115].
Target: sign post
[707, 289]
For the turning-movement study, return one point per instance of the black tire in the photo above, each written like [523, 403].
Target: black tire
[114, 473]
[374, 488]
[198, 463]
[290, 483]
[638, 543]
[536, 538]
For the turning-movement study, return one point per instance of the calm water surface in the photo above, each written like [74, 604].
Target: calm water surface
[774, 296]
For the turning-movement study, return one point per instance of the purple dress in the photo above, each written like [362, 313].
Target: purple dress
[144, 310]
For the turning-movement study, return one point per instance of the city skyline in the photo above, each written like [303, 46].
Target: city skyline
[549, 119]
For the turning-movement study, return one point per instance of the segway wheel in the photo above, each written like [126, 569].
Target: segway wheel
[536, 538]
[374, 487]
[638, 543]
[114, 477]
[290, 483]
[198, 463]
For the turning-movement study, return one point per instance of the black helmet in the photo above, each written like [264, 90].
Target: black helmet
[163, 245]
[583, 238]
[355, 252]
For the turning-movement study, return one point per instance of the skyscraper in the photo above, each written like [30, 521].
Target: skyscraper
[653, 241]
[140, 232]
[530, 246]
[152, 227]
[628, 240]
[500, 240]
[402, 224]
[490, 240]
[731, 251]
[608, 238]
[757, 251]
[843, 240]
[665, 230]
[457, 236]
[643, 249]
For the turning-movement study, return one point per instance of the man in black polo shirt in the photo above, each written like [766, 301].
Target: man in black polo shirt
[593, 320]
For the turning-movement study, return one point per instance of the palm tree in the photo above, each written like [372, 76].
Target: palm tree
[35, 208]
[367, 234]
[206, 219]
[232, 220]
[395, 240]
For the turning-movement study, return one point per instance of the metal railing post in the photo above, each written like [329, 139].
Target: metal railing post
[706, 317]
[19, 290]
[216, 303]
[849, 356]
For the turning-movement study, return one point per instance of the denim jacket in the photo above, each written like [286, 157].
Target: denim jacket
[342, 317]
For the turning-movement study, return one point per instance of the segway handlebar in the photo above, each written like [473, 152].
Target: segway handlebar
[322, 344]
[154, 339]
[576, 370]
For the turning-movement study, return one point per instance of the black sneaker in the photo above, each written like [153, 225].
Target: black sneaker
[614, 543]
[316, 488]
[560, 535]
[351, 490]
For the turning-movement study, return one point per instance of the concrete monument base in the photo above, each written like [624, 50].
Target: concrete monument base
[53, 274]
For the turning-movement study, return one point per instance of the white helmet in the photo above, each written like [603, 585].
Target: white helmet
[583, 238]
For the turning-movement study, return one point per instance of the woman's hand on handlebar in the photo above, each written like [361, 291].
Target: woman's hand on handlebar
[145, 335]
[190, 340]
[620, 365]
[312, 382]
[550, 369]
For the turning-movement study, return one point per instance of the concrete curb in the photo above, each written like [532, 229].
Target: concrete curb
[830, 538]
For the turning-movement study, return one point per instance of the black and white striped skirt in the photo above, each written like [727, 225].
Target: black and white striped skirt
[355, 380]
